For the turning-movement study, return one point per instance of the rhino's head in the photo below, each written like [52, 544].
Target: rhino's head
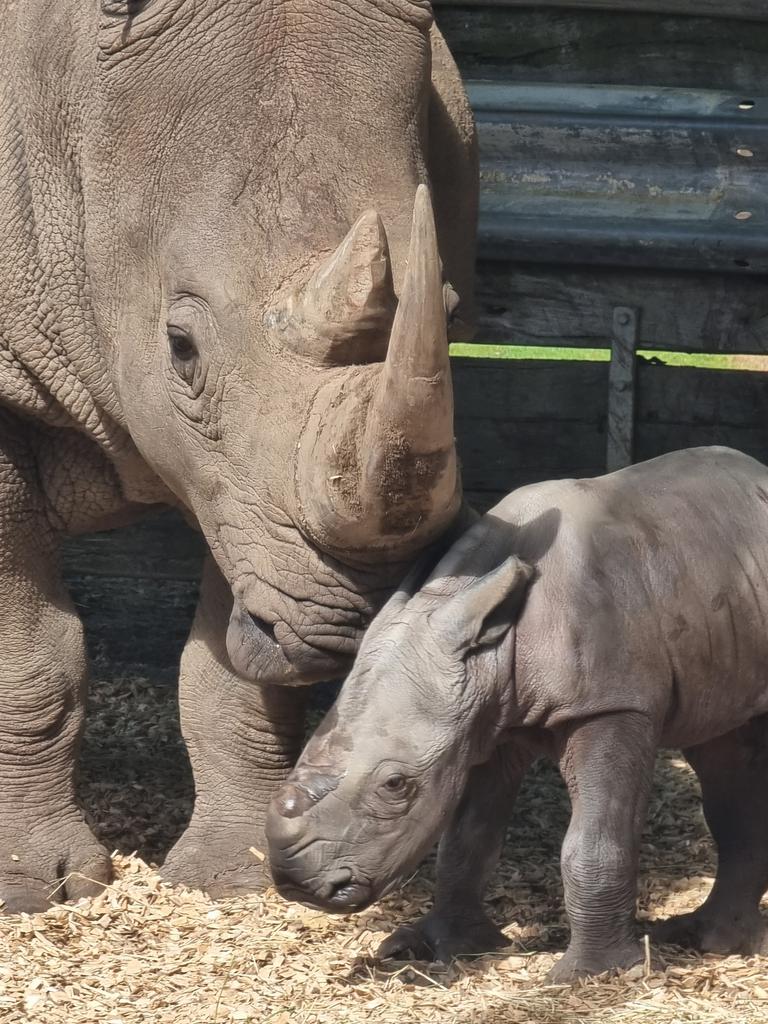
[265, 265]
[379, 780]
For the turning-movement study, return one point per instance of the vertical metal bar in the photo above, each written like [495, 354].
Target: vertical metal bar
[621, 388]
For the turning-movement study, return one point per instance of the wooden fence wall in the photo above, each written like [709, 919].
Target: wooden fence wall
[624, 157]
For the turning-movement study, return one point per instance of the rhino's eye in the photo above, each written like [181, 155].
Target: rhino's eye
[183, 353]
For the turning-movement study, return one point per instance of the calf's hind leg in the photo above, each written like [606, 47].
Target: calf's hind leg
[733, 772]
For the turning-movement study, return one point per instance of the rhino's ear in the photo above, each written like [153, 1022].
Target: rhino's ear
[480, 615]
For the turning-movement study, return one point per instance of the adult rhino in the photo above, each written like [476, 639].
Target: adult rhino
[198, 308]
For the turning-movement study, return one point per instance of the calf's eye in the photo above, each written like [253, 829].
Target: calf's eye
[396, 784]
[397, 792]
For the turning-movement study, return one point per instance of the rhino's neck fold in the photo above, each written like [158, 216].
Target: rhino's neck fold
[52, 361]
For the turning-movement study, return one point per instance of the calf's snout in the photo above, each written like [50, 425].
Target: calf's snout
[307, 868]
[288, 831]
[336, 891]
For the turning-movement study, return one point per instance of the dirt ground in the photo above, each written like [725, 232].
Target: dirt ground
[145, 954]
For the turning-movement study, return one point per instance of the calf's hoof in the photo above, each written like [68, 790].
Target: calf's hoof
[54, 862]
[219, 862]
[711, 932]
[571, 966]
[439, 938]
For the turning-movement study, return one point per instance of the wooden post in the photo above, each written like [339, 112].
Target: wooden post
[621, 388]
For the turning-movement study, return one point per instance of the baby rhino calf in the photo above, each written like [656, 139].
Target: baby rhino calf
[591, 621]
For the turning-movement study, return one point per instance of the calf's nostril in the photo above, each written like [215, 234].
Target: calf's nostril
[345, 893]
[335, 883]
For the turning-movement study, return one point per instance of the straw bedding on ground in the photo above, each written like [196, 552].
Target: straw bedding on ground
[144, 954]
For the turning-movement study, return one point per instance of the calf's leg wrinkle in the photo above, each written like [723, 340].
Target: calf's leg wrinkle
[47, 851]
[607, 764]
[469, 851]
[243, 739]
[733, 772]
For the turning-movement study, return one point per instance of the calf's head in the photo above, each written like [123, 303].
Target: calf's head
[378, 781]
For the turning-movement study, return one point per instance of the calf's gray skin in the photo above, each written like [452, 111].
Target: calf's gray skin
[590, 621]
[206, 208]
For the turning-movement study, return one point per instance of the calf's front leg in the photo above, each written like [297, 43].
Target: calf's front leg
[467, 857]
[607, 764]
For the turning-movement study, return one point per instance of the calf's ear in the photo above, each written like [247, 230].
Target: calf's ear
[480, 615]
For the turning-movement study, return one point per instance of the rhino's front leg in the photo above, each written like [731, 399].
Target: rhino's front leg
[607, 764]
[458, 925]
[47, 851]
[242, 740]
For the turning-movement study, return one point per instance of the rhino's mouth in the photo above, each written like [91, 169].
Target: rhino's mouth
[274, 653]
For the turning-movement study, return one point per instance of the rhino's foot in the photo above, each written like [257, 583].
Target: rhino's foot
[220, 861]
[51, 863]
[573, 965]
[441, 938]
[707, 931]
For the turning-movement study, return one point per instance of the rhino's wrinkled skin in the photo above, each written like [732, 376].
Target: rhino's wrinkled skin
[590, 621]
[206, 211]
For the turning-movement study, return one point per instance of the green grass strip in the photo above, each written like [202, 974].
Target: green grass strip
[587, 355]
[603, 355]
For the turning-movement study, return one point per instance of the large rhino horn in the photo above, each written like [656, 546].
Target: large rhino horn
[378, 465]
[412, 410]
[345, 310]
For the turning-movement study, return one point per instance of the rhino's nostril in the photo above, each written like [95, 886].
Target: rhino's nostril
[264, 627]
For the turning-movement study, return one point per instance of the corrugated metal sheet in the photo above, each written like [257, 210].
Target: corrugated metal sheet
[624, 160]
[754, 10]
[634, 176]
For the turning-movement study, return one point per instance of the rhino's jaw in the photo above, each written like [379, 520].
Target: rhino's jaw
[257, 655]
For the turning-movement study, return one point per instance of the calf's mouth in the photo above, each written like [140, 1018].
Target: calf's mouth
[339, 890]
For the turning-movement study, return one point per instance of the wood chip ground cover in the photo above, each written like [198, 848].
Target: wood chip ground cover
[142, 953]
